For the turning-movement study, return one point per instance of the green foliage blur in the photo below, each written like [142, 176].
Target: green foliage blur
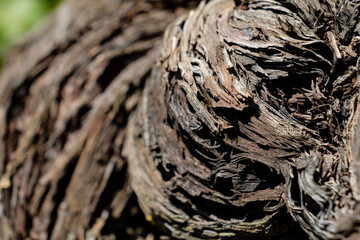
[18, 16]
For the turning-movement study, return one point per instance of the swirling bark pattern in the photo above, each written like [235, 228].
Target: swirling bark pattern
[246, 128]
[255, 114]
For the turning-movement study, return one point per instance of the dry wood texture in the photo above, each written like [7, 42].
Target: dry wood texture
[240, 122]
[65, 95]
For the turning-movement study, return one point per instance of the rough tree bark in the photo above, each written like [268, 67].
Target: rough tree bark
[240, 122]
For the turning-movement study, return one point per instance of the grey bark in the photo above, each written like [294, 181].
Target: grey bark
[240, 122]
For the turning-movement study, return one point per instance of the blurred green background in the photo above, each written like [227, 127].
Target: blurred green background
[18, 16]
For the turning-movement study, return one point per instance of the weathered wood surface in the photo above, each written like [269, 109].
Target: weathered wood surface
[246, 128]
[65, 96]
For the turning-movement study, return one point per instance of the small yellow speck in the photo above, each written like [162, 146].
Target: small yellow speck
[148, 218]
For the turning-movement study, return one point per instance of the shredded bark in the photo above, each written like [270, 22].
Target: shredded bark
[254, 120]
[240, 122]
[65, 97]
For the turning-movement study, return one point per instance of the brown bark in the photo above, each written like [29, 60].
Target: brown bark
[241, 122]
[66, 94]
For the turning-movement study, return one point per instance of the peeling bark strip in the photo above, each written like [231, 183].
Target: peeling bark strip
[247, 128]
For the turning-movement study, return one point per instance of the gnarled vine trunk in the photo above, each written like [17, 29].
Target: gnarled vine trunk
[240, 122]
